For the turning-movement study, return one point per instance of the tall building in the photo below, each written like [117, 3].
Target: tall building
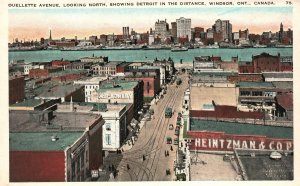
[224, 27]
[161, 29]
[125, 32]
[174, 30]
[280, 33]
[184, 28]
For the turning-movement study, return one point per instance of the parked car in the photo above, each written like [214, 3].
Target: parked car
[171, 126]
[176, 141]
[169, 140]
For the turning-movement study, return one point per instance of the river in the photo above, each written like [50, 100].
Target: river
[146, 55]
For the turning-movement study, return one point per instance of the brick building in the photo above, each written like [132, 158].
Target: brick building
[150, 77]
[16, 89]
[40, 73]
[68, 148]
[266, 63]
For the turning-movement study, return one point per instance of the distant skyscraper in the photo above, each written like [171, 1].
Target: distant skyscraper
[184, 28]
[161, 29]
[225, 27]
[50, 37]
[126, 32]
[174, 30]
[280, 37]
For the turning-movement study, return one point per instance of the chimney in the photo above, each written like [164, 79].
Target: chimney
[71, 105]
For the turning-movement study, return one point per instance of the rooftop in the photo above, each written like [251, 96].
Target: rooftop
[60, 90]
[220, 95]
[278, 74]
[285, 100]
[242, 128]
[28, 103]
[41, 141]
[283, 84]
[29, 121]
[262, 167]
[119, 85]
[248, 84]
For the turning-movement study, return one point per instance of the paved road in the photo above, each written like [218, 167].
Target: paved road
[151, 143]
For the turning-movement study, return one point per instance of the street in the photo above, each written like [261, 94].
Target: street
[147, 159]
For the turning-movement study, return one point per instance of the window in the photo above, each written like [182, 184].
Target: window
[245, 93]
[256, 93]
[108, 139]
[108, 126]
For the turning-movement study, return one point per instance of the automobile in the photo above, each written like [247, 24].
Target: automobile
[169, 140]
[171, 126]
[176, 141]
[177, 128]
[177, 132]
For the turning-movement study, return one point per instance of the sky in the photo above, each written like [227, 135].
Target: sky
[32, 24]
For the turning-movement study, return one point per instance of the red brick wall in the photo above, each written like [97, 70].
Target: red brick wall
[60, 63]
[95, 148]
[38, 73]
[246, 69]
[245, 77]
[151, 85]
[286, 67]
[36, 166]
[120, 69]
[266, 64]
[16, 90]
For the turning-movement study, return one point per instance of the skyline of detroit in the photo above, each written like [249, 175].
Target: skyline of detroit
[31, 24]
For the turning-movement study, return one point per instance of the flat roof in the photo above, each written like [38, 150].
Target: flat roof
[247, 84]
[241, 128]
[28, 103]
[220, 95]
[119, 85]
[28, 121]
[58, 90]
[283, 84]
[278, 74]
[262, 167]
[41, 141]
[215, 73]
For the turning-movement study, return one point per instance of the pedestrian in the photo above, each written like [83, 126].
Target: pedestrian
[144, 158]
[171, 148]
[109, 168]
[128, 167]
[113, 167]
[167, 153]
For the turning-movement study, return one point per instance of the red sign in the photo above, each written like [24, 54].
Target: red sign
[218, 141]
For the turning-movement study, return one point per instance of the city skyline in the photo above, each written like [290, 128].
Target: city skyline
[82, 23]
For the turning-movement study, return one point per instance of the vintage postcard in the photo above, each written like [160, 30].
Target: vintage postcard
[135, 91]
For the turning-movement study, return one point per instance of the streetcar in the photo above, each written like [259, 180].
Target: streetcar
[168, 112]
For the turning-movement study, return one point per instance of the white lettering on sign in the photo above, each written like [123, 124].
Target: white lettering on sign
[115, 96]
[244, 145]
[222, 143]
[261, 145]
[204, 143]
[215, 143]
[229, 144]
[198, 142]
[252, 145]
[236, 144]
[279, 146]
